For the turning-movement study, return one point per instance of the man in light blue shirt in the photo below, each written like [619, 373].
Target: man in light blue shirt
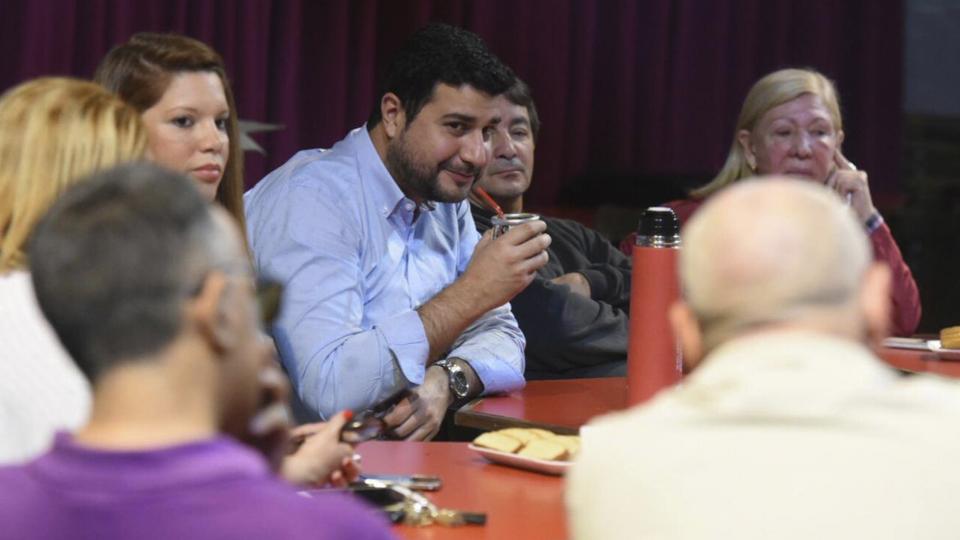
[388, 283]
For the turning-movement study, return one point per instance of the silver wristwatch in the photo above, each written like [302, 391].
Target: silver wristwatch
[457, 378]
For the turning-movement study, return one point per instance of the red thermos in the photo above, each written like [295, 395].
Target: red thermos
[653, 355]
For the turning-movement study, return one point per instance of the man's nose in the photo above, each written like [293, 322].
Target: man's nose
[474, 149]
[503, 146]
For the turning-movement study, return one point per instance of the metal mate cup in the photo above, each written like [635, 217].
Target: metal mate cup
[502, 224]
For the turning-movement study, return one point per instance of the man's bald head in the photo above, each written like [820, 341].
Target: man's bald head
[773, 251]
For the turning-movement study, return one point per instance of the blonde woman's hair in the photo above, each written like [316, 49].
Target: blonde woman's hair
[53, 132]
[771, 91]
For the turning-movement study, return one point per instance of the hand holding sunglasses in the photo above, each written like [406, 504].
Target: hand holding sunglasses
[317, 456]
[369, 424]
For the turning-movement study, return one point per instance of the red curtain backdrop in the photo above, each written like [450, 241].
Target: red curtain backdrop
[640, 89]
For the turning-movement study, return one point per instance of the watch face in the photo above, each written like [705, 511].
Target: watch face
[458, 383]
[457, 378]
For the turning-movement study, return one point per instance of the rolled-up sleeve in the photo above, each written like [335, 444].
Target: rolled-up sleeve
[903, 290]
[494, 344]
[356, 262]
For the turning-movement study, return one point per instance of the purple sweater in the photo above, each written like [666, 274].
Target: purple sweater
[204, 490]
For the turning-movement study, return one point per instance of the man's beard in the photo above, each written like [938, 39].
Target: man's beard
[421, 179]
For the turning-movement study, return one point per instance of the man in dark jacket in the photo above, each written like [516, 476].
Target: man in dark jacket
[575, 313]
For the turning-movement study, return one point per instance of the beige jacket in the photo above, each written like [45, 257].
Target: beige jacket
[777, 436]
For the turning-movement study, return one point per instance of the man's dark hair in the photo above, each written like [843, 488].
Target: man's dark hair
[114, 259]
[519, 94]
[439, 53]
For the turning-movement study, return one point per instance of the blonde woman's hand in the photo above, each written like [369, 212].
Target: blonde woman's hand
[852, 186]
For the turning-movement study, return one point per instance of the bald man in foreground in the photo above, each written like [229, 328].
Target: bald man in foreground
[789, 426]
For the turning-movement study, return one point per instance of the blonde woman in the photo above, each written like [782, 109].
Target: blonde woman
[790, 124]
[53, 132]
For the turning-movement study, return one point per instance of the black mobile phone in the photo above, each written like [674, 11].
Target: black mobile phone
[377, 496]
[388, 500]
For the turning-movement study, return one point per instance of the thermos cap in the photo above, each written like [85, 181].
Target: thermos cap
[658, 227]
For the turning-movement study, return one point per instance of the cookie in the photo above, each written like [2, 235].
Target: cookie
[950, 337]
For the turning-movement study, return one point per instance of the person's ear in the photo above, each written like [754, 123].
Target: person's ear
[743, 137]
[874, 301]
[209, 312]
[392, 115]
[686, 328]
[840, 136]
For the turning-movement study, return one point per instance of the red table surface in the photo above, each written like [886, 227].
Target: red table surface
[518, 503]
[920, 362]
[563, 406]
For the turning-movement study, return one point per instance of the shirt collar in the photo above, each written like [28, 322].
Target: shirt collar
[784, 374]
[797, 347]
[383, 190]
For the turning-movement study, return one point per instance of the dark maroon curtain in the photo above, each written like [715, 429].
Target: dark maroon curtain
[641, 88]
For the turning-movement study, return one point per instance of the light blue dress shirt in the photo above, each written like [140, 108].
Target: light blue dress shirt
[335, 228]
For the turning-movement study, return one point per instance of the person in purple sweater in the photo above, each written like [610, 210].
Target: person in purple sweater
[150, 291]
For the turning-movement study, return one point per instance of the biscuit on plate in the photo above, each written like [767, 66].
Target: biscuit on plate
[570, 442]
[498, 441]
[523, 435]
[950, 337]
[544, 449]
[541, 433]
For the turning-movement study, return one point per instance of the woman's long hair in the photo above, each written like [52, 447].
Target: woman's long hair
[53, 132]
[140, 71]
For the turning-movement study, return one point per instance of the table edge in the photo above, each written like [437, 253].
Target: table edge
[466, 416]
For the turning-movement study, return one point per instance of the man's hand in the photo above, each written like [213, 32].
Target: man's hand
[575, 281]
[418, 417]
[852, 186]
[498, 270]
[317, 456]
[501, 268]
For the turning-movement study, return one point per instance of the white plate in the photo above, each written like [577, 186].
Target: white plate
[946, 354]
[521, 462]
[916, 344]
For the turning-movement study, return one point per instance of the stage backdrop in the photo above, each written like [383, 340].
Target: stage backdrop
[628, 91]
